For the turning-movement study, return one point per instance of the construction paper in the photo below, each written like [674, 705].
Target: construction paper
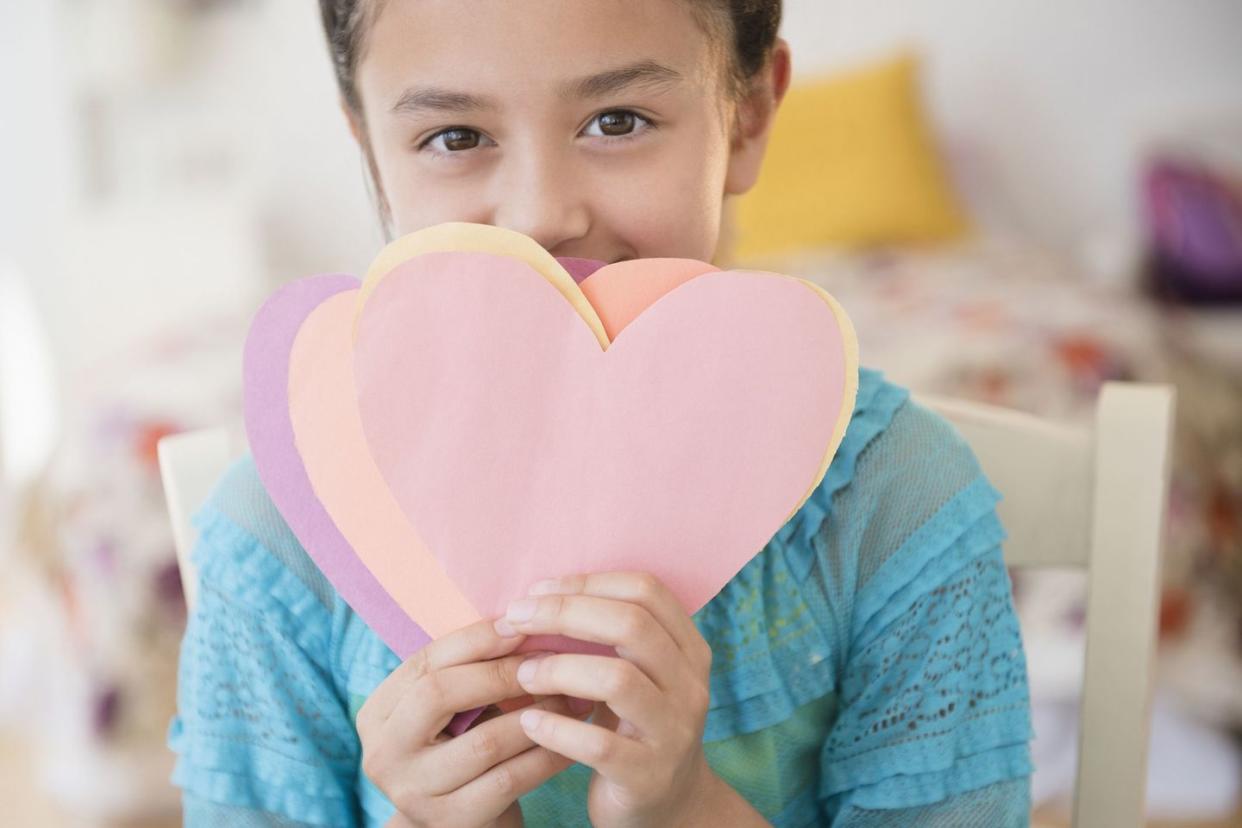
[269, 430]
[345, 479]
[579, 269]
[483, 238]
[621, 291]
[333, 448]
[433, 588]
[269, 345]
[521, 449]
[330, 441]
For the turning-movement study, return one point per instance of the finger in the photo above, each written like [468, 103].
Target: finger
[640, 588]
[630, 628]
[614, 681]
[448, 766]
[489, 795]
[434, 699]
[476, 642]
[617, 758]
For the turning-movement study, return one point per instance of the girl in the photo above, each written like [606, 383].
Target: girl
[864, 669]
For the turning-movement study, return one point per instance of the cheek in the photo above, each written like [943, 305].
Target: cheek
[418, 200]
[405, 185]
[672, 210]
[414, 207]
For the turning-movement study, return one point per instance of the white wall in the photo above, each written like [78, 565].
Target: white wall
[37, 165]
[37, 159]
[1058, 97]
[158, 166]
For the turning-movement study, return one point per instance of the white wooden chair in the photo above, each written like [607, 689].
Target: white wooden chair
[190, 464]
[1091, 497]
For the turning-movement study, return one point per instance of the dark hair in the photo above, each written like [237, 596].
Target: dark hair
[751, 25]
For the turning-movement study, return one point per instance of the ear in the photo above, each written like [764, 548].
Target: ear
[756, 112]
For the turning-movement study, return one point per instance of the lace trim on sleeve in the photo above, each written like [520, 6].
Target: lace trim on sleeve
[935, 695]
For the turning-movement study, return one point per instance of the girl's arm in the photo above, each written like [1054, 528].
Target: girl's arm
[934, 719]
[262, 732]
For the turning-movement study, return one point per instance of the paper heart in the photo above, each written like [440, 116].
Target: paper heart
[679, 450]
[382, 538]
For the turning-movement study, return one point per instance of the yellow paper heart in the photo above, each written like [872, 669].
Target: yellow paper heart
[464, 237]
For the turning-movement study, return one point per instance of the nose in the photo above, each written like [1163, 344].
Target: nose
[540, 196]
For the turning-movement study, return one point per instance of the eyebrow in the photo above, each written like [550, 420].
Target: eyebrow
[646, 73]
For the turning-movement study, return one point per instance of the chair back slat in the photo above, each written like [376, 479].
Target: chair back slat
[1132, 452]
[190, 464]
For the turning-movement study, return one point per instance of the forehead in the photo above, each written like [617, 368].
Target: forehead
[511, 48]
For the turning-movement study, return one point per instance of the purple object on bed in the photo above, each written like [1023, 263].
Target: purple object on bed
[1194, 222]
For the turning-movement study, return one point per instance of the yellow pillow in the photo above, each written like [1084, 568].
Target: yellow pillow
[851, 162]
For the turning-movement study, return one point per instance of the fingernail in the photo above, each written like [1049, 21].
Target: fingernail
[580, 706]
[521, 610]
[503, 629]
[530, 719]
[526, 670]
[547, 587]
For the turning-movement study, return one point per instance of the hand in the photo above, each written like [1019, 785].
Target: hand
[645, 742]
[473, 779]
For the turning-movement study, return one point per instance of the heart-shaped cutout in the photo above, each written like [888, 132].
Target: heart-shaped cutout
[444, 590]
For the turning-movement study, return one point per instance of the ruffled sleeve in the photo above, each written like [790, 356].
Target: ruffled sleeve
[262, 732]
[933, 723]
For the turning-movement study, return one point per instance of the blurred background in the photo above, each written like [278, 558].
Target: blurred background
[1015, 203]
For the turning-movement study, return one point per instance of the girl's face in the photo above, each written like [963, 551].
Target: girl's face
[601, 129]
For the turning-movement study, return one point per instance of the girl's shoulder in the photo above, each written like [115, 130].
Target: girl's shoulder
[247, 550]
[893, 442]
[264, 675]
[900, 466]
[241, 528]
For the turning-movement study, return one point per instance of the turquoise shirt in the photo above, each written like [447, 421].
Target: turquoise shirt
[867, 664]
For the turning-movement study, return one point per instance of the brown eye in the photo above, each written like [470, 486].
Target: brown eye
[616, 123]
[456, 140]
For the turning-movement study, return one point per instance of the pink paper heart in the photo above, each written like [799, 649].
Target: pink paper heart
[518, 449]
